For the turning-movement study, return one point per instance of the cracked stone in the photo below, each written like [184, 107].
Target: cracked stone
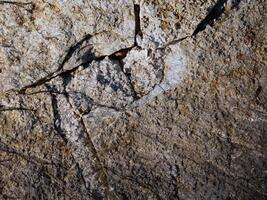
[162, 23]
[103, 82]
[35, 37]
[110, 99]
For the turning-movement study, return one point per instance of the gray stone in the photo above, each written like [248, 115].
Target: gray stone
[133, 99]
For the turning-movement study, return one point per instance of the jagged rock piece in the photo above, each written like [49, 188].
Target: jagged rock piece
[105, 83]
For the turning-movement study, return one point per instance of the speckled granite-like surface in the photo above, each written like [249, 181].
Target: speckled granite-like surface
[122, 99]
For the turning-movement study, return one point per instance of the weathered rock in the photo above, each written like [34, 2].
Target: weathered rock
[36, 37]
[144, 68]
[165, 21]
[133, 100]
[104, 82]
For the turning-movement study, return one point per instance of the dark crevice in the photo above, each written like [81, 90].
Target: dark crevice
[53, 75]
[80, 174]
[236, 3]
[174, 181]
[2, 109]
[137, 23]
[66, 78]
[86, 59]
[56, 114]
[172, 43]
[16, 3]
[119, 56]
[72, 50]
[42, 91]
[65, 75]
[88, 62]
[215, 13]
[37, 83]
[128, 76]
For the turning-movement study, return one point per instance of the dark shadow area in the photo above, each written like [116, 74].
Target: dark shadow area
[216, 11]
[137, 22]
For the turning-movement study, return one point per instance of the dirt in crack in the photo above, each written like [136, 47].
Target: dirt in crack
[119, 55]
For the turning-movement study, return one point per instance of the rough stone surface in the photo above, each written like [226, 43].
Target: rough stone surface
[35, 36]
[126, 99]
[165, 21]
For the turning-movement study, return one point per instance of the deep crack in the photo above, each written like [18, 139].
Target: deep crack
[215, 13]
[119, 56]
[86, 58]
[56, 115]
[172, 43]
[55, 74]
[137, 23]
[72, 50]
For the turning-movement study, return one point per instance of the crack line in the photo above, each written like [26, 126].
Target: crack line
[216, 11]
[2, 109]
[106, 182]
[16, 3]
[138, 30]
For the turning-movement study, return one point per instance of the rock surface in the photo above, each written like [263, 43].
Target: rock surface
[133, 99]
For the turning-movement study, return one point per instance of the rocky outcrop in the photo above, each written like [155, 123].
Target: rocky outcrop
[133, 99]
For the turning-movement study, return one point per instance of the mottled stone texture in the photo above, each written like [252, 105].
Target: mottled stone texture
[131, 99]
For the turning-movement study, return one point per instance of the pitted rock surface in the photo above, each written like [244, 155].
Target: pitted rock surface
[127, 99]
